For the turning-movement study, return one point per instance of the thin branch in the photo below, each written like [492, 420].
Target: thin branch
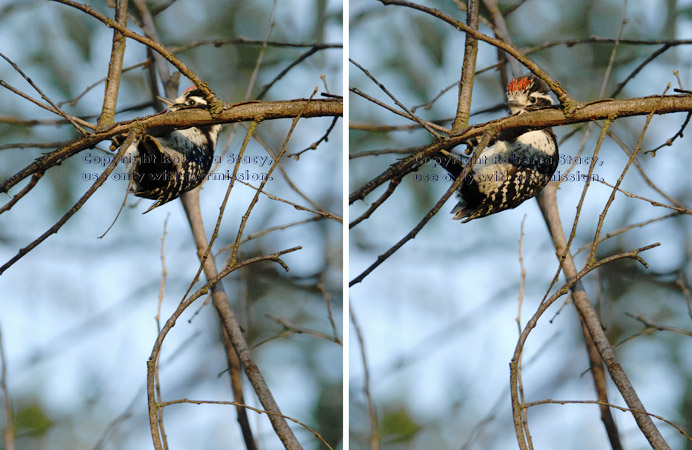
[252, 236]
[608, 405]
[409, 114]
[232, 326]
[54, 229]
[234, 253]
[157, 318]
[659, 327]
[283, 73]
[55, 107]
[602, 40]
[638, 69]
[602, 216]
[390, 190]
[69, 119]
[25, 190]
[314, 145]
[74, 101]
[302, 330]
[652, 202]
[372, 412]
[259, 411]
[321, 214]
[419, 122]
[330, 313]
[389, 151]
[611, 61]
[245, 41]
[627, 228]
[270, 151]
[7, 400]
[412, 234]
[670, 141]
[260, 56]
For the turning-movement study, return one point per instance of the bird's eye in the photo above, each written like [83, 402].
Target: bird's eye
[190, 102]
[533, 100]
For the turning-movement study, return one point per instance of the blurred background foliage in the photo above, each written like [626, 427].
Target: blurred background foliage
[77, 312]
[439, 317]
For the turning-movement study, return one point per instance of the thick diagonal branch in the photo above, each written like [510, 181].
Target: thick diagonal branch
[548, 204]
[232, 327]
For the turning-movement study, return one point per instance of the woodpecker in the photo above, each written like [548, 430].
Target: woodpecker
[516, 165]
[165, 165]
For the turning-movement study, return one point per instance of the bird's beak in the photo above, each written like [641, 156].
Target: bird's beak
[166, 101]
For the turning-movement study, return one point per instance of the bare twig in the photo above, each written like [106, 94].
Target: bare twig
[390, 190]
[601, 217]
[408, 112]
[322, 214]
[25, 190]
[412, 234]
[157, 318]
[54, 229]
[652, 202]
[259, 411]
[229, 322]
[659, 327]
[330, 313]
[55, 107]
[283, 73]
[372, 412]
[7, 401]
[608, 405]
[234, 252]
[315, 144]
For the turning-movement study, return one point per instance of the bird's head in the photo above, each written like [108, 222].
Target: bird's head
[527, 93]
[191, 98]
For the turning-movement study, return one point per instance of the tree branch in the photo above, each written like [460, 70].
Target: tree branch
[468, 70]
[115, 67]
[244, 112]
[597, 110]
[548, 204]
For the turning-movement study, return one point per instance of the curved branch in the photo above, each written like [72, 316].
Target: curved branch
[157, 47]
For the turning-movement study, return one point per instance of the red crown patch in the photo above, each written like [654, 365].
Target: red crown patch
[520, 84]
